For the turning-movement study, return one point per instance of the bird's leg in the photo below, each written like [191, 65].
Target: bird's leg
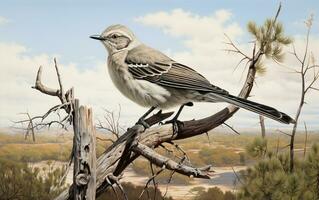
[179, 112]
[141, 120]
[176, 123]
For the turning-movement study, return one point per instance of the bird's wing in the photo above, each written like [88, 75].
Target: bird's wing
[148, 64]
[145, 63]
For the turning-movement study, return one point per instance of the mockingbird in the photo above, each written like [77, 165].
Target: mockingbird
[151, 79]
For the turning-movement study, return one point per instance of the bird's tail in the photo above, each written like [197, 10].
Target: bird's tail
[261, 109]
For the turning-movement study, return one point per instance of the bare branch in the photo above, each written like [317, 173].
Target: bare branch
[295, 54]
[42, 88]
[168, 182]
[313, 88]
[154, 175]
[236, 49]
[231, 128]
[180, 149]
[238, 178]
[283, 132]
[154, 181]
[61, 91]
[66, 99]
[115, 180]
[165, 162]
[30, 127]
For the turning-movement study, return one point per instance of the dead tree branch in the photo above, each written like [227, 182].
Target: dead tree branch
[306, 63]
[84, 143]
[262, 126]
[164, 162]
[66, 99]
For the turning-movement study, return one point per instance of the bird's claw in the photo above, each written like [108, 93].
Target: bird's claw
[176, 125]
[142, 122]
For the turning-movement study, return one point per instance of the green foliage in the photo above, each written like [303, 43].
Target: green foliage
[270, 39]
[257, 148]
[270, 178]
[133, 192]
[212, 193]
[260, 68]
[20, 182]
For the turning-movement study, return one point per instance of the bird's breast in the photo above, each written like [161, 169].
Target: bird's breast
[142, 92]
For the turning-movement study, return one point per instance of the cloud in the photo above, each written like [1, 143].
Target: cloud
[3, 20]
[18, 71]
[180, 23]
[203, 38]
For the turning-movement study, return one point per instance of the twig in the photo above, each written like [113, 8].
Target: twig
[113, 189]
[180, 149]
[238, 178]
[231, 128]
[30, 127]
[306, 138]
[236, 49]
[154, 182]
[283, 132]
[151, 179]
[168, 182]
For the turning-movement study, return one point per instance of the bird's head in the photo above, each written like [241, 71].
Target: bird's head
[116, 38]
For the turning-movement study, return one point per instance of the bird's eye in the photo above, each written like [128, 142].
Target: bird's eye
[114, 36]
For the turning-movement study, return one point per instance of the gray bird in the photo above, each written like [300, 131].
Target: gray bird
[151, 79]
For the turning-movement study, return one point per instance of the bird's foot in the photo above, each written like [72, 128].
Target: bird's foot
[176, 125]
[142, 122]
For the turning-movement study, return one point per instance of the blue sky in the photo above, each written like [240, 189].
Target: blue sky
[32, 32]
[63, 27]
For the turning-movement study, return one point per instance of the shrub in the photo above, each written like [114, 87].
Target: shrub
[20, 182]
[133, 192]
[219, 156]
[270, 178]
[212, 194]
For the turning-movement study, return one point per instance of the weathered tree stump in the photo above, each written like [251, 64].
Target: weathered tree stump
[84, 174]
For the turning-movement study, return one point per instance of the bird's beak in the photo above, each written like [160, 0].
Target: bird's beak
[97, 37]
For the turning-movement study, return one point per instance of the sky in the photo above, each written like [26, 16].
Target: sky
[192, 32]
